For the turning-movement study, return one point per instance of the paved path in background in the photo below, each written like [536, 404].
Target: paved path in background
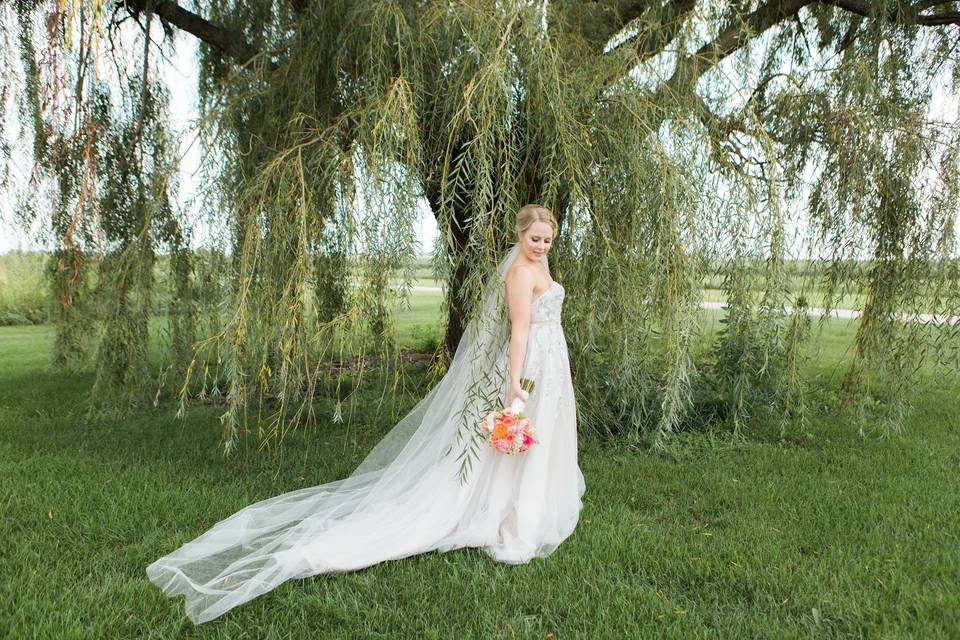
[811, 311]
[853, 313]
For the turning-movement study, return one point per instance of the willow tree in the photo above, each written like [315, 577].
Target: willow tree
[781, 146]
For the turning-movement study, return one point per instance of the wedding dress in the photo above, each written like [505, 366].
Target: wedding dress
[407, 496]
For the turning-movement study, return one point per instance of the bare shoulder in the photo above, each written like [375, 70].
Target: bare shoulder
[521, 275]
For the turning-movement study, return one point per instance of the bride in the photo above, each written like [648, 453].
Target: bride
[430, 484]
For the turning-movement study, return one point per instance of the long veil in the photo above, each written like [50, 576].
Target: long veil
[264, 544]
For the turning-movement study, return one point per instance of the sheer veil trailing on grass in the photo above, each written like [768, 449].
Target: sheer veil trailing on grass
[428, 485]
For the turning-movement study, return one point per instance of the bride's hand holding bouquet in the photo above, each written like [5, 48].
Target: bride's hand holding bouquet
[519, 393]
[509, 430]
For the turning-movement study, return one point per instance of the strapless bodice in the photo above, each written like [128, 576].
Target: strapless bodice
[547, 306]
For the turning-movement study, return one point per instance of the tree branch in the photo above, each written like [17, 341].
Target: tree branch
[669, 28]
[929, 20]
[925, 4]
[691, 67]
[144, 88]
[627, 10]
[650, 41]
[229, 42]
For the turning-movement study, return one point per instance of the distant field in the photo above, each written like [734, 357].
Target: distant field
[24, 292]
[24, 289]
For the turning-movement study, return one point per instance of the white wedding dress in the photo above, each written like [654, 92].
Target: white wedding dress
[406, 498]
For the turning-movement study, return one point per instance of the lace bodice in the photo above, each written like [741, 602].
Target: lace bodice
[546, 307]
[546, 337]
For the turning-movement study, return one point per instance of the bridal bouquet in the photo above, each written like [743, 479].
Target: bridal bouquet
[510, 430]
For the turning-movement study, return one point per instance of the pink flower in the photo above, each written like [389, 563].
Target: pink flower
[508, 431]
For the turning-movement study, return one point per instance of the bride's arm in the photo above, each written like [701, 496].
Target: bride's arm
[520, 283]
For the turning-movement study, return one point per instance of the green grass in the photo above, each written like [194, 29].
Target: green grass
[24, 291]
[818, 535]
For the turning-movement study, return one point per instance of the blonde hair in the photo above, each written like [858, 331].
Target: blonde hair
[530, 213]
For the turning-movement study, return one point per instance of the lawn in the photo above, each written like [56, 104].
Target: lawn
[820, 535]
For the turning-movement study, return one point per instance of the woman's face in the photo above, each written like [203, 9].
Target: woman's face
[537, 240]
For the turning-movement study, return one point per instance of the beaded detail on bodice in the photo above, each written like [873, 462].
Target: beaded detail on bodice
[546, 307]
